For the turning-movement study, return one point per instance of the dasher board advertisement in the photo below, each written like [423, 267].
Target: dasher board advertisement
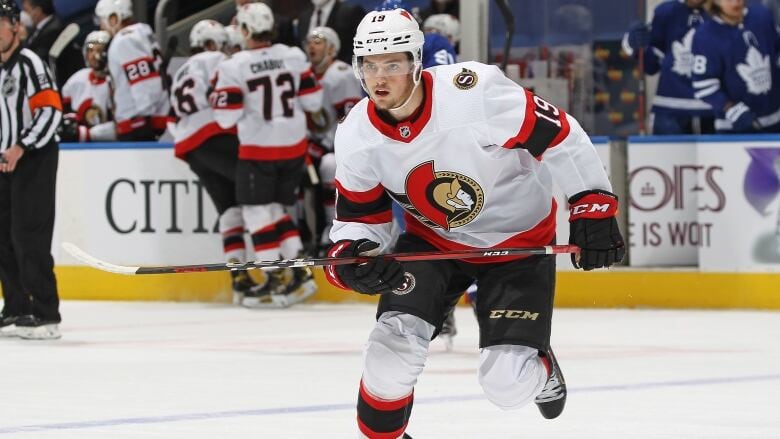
[665, 183]
[745, 214]
[133, 204]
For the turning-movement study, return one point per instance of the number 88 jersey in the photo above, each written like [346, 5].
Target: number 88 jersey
[265, 92]
[189, 98]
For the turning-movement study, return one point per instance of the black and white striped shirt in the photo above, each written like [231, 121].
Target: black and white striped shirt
[31, 108]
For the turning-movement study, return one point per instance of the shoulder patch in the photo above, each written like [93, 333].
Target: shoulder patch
[465, 79]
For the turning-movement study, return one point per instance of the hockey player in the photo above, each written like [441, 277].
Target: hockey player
[443, 24]
[87, 96]
[471, 157]
[735, 67]
[264, 91]
[134, 61]
[667, 49]
[341, 91]
[210, 150]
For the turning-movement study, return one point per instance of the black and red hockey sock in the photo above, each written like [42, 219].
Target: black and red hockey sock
[382, 419]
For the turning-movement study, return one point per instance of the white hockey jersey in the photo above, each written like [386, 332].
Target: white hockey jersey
[134, 60]
[472, 169]
[189, 97]
[265, 92]
[89, 97]
[340, 92]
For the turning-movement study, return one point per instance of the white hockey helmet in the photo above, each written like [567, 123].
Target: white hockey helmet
[383, 32]
[205, 31]
[444, 24]
[329, 35]
[234, 37]
[104, 9]
[98, 37]
[257, 17]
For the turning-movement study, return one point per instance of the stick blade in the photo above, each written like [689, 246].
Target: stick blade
[94, 262]
[67, 35]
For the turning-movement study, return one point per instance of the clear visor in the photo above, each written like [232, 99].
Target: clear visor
[370, 69]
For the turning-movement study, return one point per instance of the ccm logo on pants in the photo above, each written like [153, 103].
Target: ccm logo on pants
[513, 314]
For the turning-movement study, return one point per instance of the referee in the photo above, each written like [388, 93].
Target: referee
[30, 112]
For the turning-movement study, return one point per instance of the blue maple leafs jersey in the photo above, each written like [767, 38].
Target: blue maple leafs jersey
[735, 64]
[437, 51]
[671, 36]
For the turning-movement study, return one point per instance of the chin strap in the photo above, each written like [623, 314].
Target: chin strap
[417, 76]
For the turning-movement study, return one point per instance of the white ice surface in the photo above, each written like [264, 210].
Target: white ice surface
[197, 371]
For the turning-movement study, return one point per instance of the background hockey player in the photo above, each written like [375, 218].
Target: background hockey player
[471, 157]
[446, 25]
[87, 96]
[735, 67]
[340, 92]
[134, 60]
[666, 45]
[264, 91]
[29, 155]
[235, 41]
[210, 150]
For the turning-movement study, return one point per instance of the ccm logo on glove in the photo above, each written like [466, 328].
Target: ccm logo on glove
[596, 204]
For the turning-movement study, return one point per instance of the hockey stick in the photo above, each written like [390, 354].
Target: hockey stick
[66, 37]
[92, 261]
[509, 21]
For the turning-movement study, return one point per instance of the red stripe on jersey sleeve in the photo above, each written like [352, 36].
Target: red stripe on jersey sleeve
[362, 197]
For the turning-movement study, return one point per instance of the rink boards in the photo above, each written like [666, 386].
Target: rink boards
[701, 221]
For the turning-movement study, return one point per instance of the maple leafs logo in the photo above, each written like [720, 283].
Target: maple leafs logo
[756, 72]
[683, 57]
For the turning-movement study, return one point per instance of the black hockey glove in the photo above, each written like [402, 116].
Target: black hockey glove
[594, 229]
[379, 276]
[69, 128]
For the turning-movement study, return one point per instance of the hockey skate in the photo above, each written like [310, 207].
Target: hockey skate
[32, 328]
[552, 398]
[8, 325]
[242, 284]
[283, 289]
[301, 287]
[448, 331]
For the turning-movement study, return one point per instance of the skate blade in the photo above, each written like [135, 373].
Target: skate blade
[9, 331]
[44, 332]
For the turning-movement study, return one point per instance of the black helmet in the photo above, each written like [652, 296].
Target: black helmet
[9, 8]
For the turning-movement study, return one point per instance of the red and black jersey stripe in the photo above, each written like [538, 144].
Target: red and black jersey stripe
[544, 126]
[369, 207]
[309, 83]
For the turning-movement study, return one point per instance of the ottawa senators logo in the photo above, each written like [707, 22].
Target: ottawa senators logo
[441, 199]
[465, 80]
[94, 116]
